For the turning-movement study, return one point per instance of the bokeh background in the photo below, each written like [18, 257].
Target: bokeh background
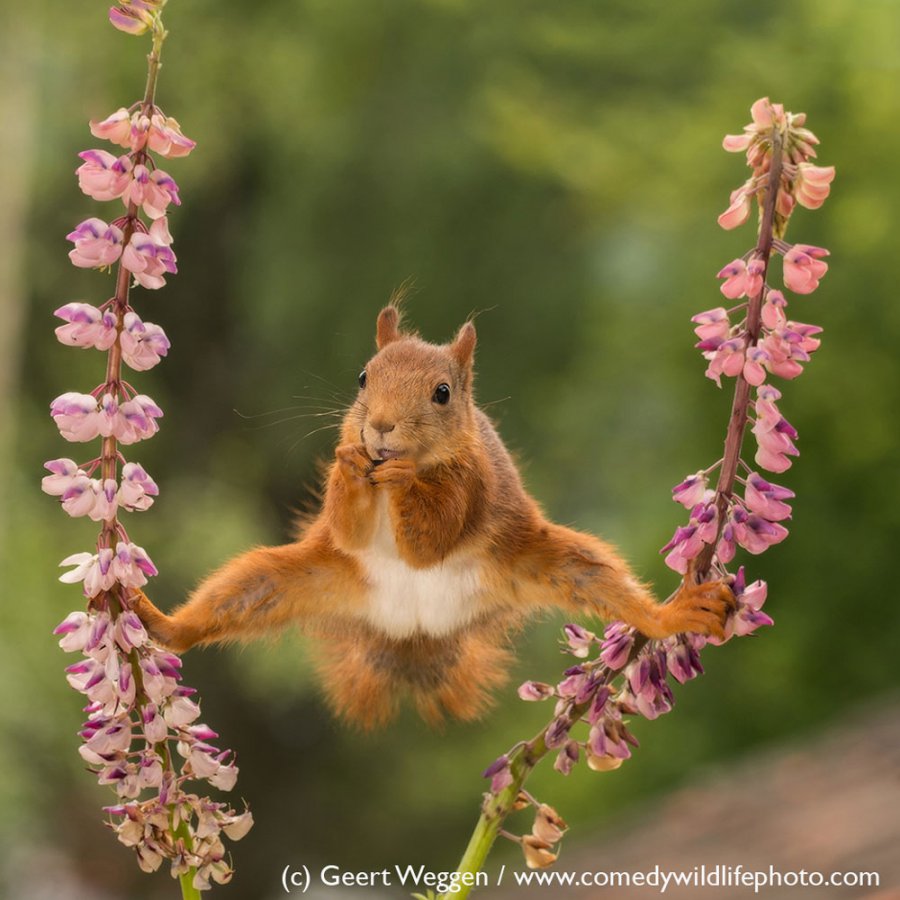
[555, 168]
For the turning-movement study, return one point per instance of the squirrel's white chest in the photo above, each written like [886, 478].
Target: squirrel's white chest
[403, 600]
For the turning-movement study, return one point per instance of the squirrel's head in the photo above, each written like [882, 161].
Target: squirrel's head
[415, 398]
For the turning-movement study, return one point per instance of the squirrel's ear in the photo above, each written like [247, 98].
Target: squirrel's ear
[463, 345]
[387, 328]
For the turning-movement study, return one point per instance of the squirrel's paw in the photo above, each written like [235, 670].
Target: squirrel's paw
[353, 461]
[157, 623]
[700, 608]
[393, 471]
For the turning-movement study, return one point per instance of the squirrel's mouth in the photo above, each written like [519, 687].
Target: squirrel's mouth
[384, 453]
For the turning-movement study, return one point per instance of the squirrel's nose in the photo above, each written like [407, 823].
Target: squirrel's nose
[382, 427]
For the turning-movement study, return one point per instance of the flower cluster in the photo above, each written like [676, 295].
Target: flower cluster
[623, 674]
[142, 736]
[754, 342]
[801, 181]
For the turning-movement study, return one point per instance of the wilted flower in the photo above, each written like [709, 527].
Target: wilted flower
[499, 773]
[538, 853]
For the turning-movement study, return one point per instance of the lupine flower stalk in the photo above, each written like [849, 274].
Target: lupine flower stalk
[142, 736]
[622, 674]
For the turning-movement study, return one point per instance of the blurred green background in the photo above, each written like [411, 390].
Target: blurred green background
[556, 168]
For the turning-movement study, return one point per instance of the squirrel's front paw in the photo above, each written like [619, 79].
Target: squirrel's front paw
[354, 462]
[700, 608]
[393, 471]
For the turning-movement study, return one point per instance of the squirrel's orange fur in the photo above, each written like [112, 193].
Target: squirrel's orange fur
[427, 553]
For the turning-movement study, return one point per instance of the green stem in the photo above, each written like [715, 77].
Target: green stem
[496, 807]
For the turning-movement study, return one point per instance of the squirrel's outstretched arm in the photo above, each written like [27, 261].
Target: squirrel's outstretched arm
[584, 575]
[256, 593]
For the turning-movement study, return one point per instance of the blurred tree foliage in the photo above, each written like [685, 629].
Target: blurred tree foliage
[555, 168]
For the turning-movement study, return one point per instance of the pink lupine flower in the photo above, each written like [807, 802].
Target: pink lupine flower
[155, 728]
[75, 630]
[94, 569]
[739, 210]
[755, 365]
[748, 615]
[153, 191]
[726, 359]
[97, 245]
[727, 546]
[87, 326]
[689, 539]
[65, 472]
[767, 499]
[79, 497]
[813, 184]
[755, 533]
[742, 279]
[765, 114]
[136, 419]
[115, 128]
[691, 491]
[129, 631]
[131, 17]
[784, 353]
[148, 256]
[166, 139]
[137, 489]
[181, 710]
[683, 658]
[131, 565]
[76, 416]
[143, 343]
[773, 310]
[803, 267]
[535, 690]
[713, 327]
[774, 434]
[579, 639]
[735, 143]
[618, 639]
[103, 176]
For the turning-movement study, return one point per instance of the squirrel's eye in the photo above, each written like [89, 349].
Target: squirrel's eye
[441, 394]
[362, 378]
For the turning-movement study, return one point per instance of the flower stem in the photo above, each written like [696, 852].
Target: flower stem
[737, 422]
[497, 807]
[110, 451]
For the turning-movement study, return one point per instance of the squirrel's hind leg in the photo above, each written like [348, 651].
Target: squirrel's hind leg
[257, 593]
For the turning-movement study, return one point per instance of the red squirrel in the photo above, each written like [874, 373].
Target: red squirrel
[427, 554]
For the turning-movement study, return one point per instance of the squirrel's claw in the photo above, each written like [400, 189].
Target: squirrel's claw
[393, 471]
[353, 461]
[700, 608]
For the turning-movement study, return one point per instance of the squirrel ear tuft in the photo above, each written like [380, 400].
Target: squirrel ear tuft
[387, 328]
[463, 345]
